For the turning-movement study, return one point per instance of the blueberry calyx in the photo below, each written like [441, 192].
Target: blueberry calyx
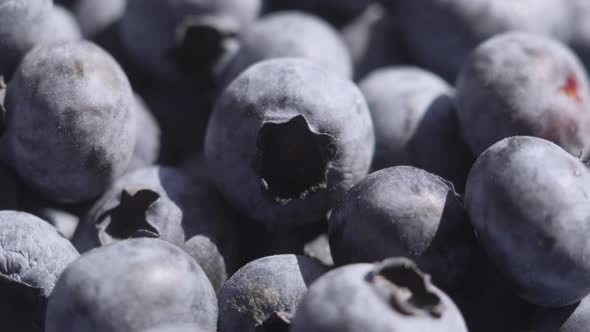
[129, 218]
[201, 43]
[407, 289]
[278, 321]
[292, 160]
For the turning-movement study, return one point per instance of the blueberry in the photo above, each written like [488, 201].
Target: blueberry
[287, 139]
[180, 208]
[63, 217]
[580, 34]
[20, 28]
[131, 286]
[527, 199]
[82, 99]
[415, 122]
[265, 290]
[440, 34]
[147, 146]
[373, 40]
[191, 34]
[301, 36]
[337, 12]
[206, 253]
[404, 211]
[573, 318]
[60, 26]
[319, 248]
[32, 256]
[524, 84]
[389, 296]
[96, 17]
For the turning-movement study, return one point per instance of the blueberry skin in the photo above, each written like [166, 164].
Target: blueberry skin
[404, 211]
[60, 26]
[456, 27]
[573, 318]
[415, 122]
[131, 286]
[367, 297]
[265, 286]
[301, 36]
[161, 20]
[32, 256]
[523, 84]
[82, 99]
[206, 253]
[280, 117]
[337, 12]
[96, 17]
[20, 29]
[527, 199]
[147, 146]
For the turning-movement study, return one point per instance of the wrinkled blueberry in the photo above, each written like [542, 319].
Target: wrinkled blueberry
[287, 139]
[527, 199]
[440, 34]
[81, 98]
[183, 35]
[32, 256]
[301, 36]
[415, 122]
[524, 84]
[131, 286]
[263, 291]
[404, 211]
[389, 296]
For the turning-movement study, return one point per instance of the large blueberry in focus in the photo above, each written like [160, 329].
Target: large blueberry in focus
[405, 211]
[415, 122]
[32, 257]
[301, 36]
[266, 292]
[528, 201]
[130, 286]
[287, 139]
[70, 121]
[524, 84]
[390, 296]
[184, 36]
[440, 34]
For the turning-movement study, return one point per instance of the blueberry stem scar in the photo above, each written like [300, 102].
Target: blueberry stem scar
[129, 219]
[406, 288]
[292, 160]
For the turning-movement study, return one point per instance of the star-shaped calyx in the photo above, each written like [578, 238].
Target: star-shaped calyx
[292, 160]
[129, 219]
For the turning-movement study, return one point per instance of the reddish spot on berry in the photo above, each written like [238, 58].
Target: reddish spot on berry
[572, 88]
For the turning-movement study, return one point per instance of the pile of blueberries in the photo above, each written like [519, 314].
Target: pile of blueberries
[294, 165]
